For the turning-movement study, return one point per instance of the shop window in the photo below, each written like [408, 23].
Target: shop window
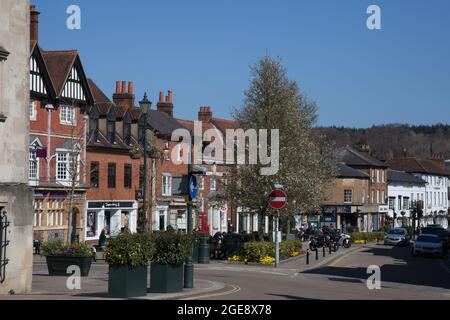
[91, 224]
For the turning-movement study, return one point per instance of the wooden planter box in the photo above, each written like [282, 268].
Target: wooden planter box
[166, 278]
[125, 282]
[57, 266]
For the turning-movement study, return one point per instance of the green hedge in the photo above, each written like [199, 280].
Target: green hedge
[287, 248]
[367, 236]
[255, 251]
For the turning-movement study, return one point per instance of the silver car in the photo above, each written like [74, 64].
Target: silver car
[396, 237]
[428, 244]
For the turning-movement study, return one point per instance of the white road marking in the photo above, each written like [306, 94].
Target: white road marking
[234, 290]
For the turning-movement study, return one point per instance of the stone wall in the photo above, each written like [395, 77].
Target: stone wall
[15, 194]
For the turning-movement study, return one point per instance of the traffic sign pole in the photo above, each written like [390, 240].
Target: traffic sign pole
[277, 241]
[277, 201]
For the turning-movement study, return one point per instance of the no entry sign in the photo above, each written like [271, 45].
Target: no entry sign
[277, 199]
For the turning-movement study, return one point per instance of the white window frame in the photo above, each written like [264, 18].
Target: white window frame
[166, 184]
[213, 184]
[348, 192]
[33, 113]
[201, 183]
[67, 181]
[33, 166]
[64, 115]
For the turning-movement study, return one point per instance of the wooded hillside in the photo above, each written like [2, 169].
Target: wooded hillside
[391, 140]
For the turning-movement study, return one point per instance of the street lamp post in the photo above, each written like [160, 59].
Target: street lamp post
[145, 105]
[191, 194]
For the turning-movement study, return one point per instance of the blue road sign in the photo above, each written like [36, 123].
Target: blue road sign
[193, 187]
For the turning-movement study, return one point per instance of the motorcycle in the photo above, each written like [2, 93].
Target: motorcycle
[323, 241]
[345, 241]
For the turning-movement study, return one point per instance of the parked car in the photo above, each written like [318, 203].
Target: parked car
[428, 244]
[441, 232]
[397, 236]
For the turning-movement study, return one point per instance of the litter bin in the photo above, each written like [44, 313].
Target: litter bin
[203, 251]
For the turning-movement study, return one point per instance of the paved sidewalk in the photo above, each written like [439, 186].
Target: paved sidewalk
[95, 286]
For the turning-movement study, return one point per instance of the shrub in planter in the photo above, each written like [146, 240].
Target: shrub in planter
[170, 251]
[290, 248]
[128, 257]
[255, 251]
[60, 256]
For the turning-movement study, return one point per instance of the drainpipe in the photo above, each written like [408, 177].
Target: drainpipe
[49, 109]
[86, 118]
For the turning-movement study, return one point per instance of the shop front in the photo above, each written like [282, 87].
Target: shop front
[112, 216]
[344, 217]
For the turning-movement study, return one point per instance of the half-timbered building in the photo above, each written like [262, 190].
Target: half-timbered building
[59, 102]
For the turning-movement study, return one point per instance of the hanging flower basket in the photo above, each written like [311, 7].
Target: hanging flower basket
[135, 153]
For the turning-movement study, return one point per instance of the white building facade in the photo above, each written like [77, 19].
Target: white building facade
[404, 190]
[435, 196]
[436, 199]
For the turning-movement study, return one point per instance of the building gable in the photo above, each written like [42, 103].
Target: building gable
[73, 89]
[40, 83]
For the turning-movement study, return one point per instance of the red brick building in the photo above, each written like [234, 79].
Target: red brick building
[59, 101]
[213, 214]
[116, 163]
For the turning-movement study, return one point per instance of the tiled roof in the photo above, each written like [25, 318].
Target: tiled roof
[120, 111]
[345, 171]
[189, 124]
[135, 113]
[99, 96]
[223, 124]
[162, 122]
[352, 157]
[401, 176]
[59, 64]
[414, 165]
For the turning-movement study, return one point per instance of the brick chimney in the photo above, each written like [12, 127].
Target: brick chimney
[205, 114]
[34, 23]
[122, 97]
[165, 104]
[439, 160]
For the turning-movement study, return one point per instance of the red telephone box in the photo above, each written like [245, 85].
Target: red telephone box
[203, 221]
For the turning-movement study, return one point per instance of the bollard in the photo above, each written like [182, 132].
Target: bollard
[307, 257]
[330, 249]
[324, 251]
[317, 254]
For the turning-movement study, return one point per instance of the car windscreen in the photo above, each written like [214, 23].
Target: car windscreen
[438, 232]
[397, 231]
[428, 239]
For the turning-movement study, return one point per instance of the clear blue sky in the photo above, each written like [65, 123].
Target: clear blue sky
[202, 50]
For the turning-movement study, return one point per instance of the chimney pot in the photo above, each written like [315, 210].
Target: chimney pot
[130, 87]
[124, 86]
[161, 96]
[170, 95]
[117, 86]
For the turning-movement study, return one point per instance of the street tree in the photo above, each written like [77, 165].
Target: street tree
[306, 162]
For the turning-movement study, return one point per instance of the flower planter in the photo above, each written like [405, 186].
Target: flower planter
[125, 282]
[57, 265]
[166, 278]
